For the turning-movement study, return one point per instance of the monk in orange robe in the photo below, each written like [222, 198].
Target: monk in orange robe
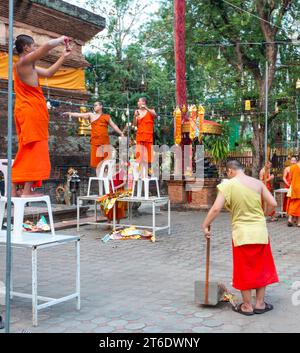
[144, 120]
[266, 177]
[32, 162]
[294, 200]
[287, 183]
[99, 132]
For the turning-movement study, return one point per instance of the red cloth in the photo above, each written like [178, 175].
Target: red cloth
[253, 266]
[120, 206]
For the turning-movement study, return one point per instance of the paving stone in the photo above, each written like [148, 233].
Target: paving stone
[185, 311]
[203, 314]
[212, 323]
[152, 329]
[154, 286]
[169, 309]
[201, 329]
[103, 329]
[193, 320]
[131, 317]
[116, 323]
[135, 326]
[87, 326]
[100, 320]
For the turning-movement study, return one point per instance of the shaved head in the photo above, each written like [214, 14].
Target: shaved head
[234, 164]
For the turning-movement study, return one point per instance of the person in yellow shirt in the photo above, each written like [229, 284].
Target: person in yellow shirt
[253, 264]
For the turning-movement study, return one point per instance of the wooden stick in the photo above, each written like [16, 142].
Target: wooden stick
[207, 271]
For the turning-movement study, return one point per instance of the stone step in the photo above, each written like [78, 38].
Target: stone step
[60, 212]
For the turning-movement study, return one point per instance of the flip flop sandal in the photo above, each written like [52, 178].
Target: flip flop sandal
[238, 309]
[268, 307]
[290, 224]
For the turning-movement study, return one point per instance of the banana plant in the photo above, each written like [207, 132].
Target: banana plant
[218, 147]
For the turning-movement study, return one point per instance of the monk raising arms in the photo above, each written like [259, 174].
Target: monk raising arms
[144, 120]
[99, 134]
[32, 162]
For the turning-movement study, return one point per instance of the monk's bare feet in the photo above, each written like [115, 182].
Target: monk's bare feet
[14, 190]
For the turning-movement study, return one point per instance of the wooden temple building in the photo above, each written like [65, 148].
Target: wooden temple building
[44, 20]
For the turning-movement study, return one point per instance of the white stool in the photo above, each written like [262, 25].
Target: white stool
[141, 178]
[103, 179]
[19, 205]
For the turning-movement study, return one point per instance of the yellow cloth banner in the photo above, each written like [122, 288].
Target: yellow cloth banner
[73, 79]
[193, 121]
[201, 112]
[177, 125]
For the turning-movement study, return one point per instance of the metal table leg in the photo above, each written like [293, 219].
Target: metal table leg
[78, 273]
[34, 287]
[78, 215]
[153, 219]
[169, 217]
[114, 217]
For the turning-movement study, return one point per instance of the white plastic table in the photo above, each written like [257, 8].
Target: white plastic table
[282, 192]
[36, 241]
[155, 202]
[80, 200]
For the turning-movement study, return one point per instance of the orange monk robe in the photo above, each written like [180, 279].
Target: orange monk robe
[285, 200]
[294, 200]
[32, 162]
[144, 138]
[99, 137]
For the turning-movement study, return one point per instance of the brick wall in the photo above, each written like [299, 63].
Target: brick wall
[199, 199]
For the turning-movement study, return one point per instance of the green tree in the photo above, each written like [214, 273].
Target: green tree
[229, 68]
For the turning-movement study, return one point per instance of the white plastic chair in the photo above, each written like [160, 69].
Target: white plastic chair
[19, 205]
[140, 177]
[104, 179]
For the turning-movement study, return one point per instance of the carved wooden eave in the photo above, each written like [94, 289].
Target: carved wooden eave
[46, 19]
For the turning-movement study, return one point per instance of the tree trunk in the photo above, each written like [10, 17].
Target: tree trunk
[257, 149]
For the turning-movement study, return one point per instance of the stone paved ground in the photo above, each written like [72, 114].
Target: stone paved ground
[139, 286]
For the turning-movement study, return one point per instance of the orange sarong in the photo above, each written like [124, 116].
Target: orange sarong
[144, 139]
[32, 162]
[99, 137]
[293, 207]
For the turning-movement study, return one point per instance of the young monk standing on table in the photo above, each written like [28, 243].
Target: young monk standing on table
[253, 264]
[144, 120]
[32, 162]
[99, 134]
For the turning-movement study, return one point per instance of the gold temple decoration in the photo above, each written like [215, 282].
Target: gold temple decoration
[247, 105]
[201, 112]
[177, 125]
[84, 128]
[193, 121]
